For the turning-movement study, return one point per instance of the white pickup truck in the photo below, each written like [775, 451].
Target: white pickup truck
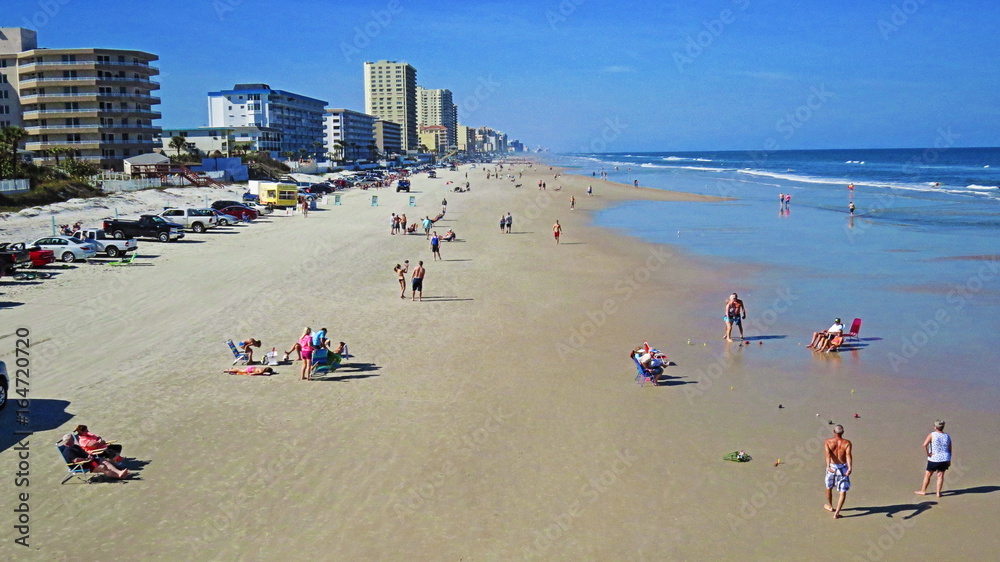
[198, 220]
[105, 244]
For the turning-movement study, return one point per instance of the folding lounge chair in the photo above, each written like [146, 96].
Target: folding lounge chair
[855, 328]
[326, 362]
[127, 261]
[76, 469]
[643, 374]
[238, 356]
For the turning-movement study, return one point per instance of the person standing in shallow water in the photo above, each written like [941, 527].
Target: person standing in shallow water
[938, 447]
[735, 314]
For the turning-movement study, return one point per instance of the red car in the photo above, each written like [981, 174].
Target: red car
[240, 212]
[39, 257]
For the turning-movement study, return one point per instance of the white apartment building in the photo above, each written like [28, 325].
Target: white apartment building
[391, 95]
[204, 141]
[349, 134]
[91, 104]
[298, 118]
[435, 107]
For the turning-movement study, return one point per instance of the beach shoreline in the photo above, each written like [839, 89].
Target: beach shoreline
[498, 419]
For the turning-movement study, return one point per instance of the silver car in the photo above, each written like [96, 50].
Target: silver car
[66, 249]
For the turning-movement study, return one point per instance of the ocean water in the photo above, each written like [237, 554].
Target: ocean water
[919, 261]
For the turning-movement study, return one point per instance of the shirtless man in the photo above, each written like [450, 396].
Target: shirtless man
[735, 314]
[822, 339]
[838, 469]
[418, 282]
[556, 231]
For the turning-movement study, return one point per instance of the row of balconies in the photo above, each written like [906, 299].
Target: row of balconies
[57, 129]
[63, 96]
[25, 65]
[153, 85]
[35, 144]
[88, 111]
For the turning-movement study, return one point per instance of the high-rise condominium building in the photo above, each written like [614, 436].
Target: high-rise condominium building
[391, 95]
[435, 107]
[388, 137]
[349, 135]
[299, 118]
[91, 104]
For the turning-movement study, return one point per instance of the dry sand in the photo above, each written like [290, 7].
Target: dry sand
[496, 420]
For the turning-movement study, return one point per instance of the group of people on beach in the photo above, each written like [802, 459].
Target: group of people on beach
[304, 347]
[938, 448]
[416, 280]
[86, 450]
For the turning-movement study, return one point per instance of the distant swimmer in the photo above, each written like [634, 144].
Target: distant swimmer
[851, 207]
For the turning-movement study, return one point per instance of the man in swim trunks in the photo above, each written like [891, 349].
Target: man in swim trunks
[839, 463]
[821, 340]
[418, 282]
[556, 231]
[735, 314]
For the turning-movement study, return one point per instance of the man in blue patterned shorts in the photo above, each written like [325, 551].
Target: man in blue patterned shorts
[838, 469]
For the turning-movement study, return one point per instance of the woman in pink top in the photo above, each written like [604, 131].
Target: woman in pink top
[306, 351]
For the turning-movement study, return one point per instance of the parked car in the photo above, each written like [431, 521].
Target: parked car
[222, 204]
[304, 192]
[237, 212]
[250, 197]
[67, 249]
[198, 220]
[403, 185]
[259, 209]
[105, 244]
[223, 219]
[11, 258]
[4, 384]
[37, 257]
[432, 174]
[148, 226]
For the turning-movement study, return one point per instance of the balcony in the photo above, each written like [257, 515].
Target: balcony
[63, 128]
[27, 66]
[89, 111]
[89, 80]
[41, 145]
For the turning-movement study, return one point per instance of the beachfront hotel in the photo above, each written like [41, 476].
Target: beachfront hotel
[349, 134]
[206, 141]
[391, 95]
[297, 118]
[89, 103]
[388, 137]
[434, 138]
[465, 139]
[436, 108]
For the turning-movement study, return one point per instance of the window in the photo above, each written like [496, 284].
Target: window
[4, 110]
[69, 58]
[103, 59]
[4, 94]
[3, 78]
[3, 63]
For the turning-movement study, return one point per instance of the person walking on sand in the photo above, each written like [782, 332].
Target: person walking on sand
[401, 276]
[393, 224]
[735, 314]
[839, 463]
[556, 231]
[402, 223]
[503, 221]
[636, 183]
[939, 448]
[572, 203]
[509, 222]
[417, 282]
[427, 227]
[590, 190]
[436, 246]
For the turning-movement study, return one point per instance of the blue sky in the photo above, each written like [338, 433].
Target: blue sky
[587, 75]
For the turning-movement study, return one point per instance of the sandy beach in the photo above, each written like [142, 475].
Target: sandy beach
[496, 420]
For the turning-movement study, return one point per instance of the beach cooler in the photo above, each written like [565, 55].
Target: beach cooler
[271, 358]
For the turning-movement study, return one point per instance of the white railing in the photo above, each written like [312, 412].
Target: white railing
[14, 186]
[87, 78]
[131, 184]
[36, 128]
[84, 62]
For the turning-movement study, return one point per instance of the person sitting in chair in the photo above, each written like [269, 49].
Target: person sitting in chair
[821, 340]
[92, 443]
[645, 358]
[73, 453]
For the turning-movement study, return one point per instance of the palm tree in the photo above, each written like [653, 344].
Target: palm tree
[178, 142]
[10, 138]
[55, 151]
[340, 146]
[423, 149]
[373, 151]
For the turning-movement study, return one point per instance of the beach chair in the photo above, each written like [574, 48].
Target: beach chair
[76, 469]
[853, 332]
[127, 261]
[323, 361]
[643, 374]
[238, 356]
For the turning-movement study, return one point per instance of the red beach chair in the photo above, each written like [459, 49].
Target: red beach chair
[855, 328]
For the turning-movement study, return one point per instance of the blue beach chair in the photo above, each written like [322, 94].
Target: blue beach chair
[238, 356]
[643, 374]
[76, 469]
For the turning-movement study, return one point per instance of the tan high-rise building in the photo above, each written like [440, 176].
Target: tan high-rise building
[391, 95]
[435, 107]
[94, 103]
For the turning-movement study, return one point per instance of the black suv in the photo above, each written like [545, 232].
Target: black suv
[403, 185]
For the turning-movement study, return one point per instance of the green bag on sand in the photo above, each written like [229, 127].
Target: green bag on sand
[738, 456]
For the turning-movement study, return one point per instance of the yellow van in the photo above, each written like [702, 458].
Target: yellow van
[279, 194]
